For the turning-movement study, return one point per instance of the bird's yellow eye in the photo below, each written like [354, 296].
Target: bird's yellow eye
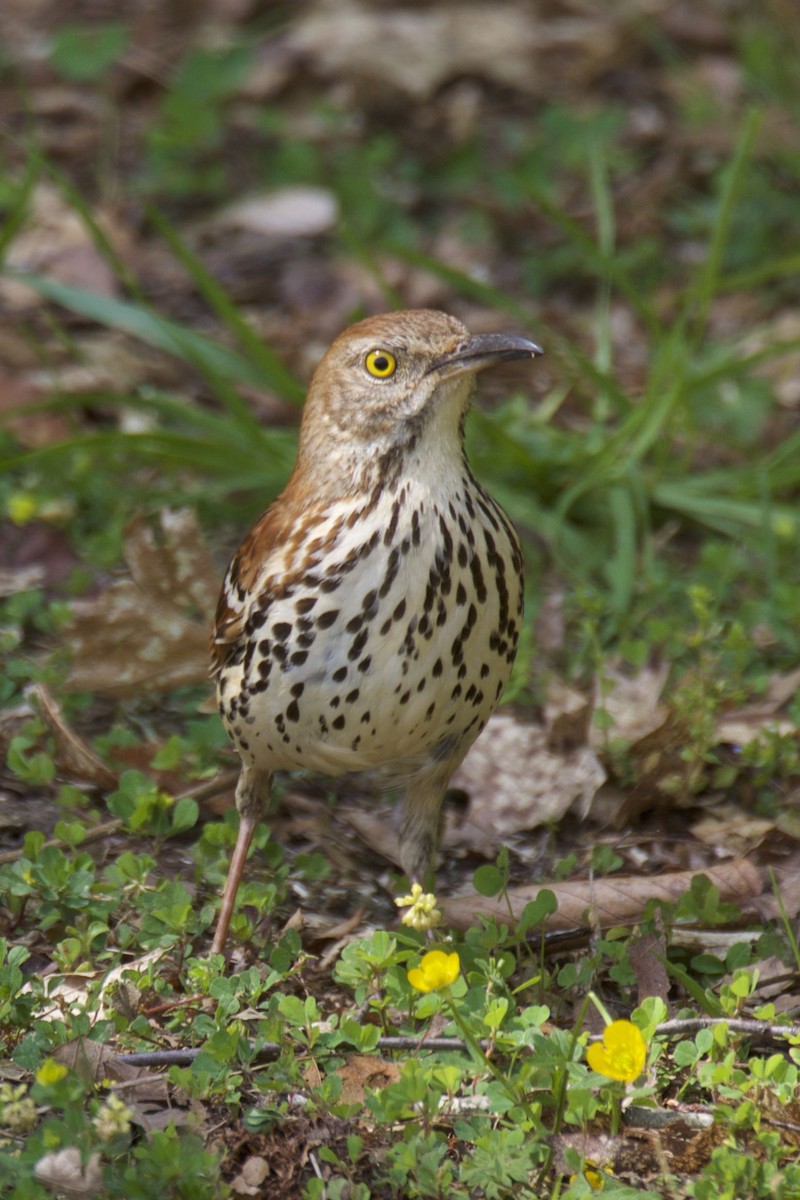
[380, 363]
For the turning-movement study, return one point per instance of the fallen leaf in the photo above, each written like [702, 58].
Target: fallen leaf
[74, 756]
[731, 829]
[65, 1173]
[619, 900]
[646, 953]
[253, 1173]
[742, 726]
[289, 212]
[515, 782]
[363, 1072]
[633, 702]
[54, 240]
[567, 715]
[149, 631]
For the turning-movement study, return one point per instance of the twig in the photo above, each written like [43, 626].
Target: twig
[736, 1024]
[271, 1050]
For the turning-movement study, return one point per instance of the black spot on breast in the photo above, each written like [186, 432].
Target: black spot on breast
[354, 624]
[339, 674]
[299, 657]
[477, 578]
[293, 711]
[399, 611]
[351, 697]
[281, 630]
[370, 604]
[338, 723]
[391, 528]
[392, 567]
[461, 594]
[406, 696]
[463, 557]
[365, 664]
[436, 669]
[326, 619]
[484, 670]
[358, 645]
[366, 718]
[297, 690]
[305, 605]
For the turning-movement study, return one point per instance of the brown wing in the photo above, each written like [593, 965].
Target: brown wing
[271, 530]
[287, 525]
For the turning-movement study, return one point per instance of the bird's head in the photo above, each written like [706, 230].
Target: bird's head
[391, 380]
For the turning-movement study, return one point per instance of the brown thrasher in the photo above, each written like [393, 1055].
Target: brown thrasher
[369, 620]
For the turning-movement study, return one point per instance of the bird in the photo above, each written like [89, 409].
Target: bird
[369, 620]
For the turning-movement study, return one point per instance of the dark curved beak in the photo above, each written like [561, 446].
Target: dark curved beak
[483, 350]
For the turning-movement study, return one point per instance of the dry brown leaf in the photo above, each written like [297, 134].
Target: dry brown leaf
[54, 241]
[69, 992]
[567, 715]
[288, 212]
[745, 725]
[633, 702]
[646, 954]
[75, 757]
[95, 1061]
[620, 900]
[33, 427]
[365, 1071]
[253, 1173]
[730, 828]
[65, 1174]
[415, 51]
[514, 781]
[149, 631]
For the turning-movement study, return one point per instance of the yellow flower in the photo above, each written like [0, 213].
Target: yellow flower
[593, 1176]
[113, 1118]
[621, 1054]
[50, 1072]
[422, 911]
[22, 508]
[437, 970]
